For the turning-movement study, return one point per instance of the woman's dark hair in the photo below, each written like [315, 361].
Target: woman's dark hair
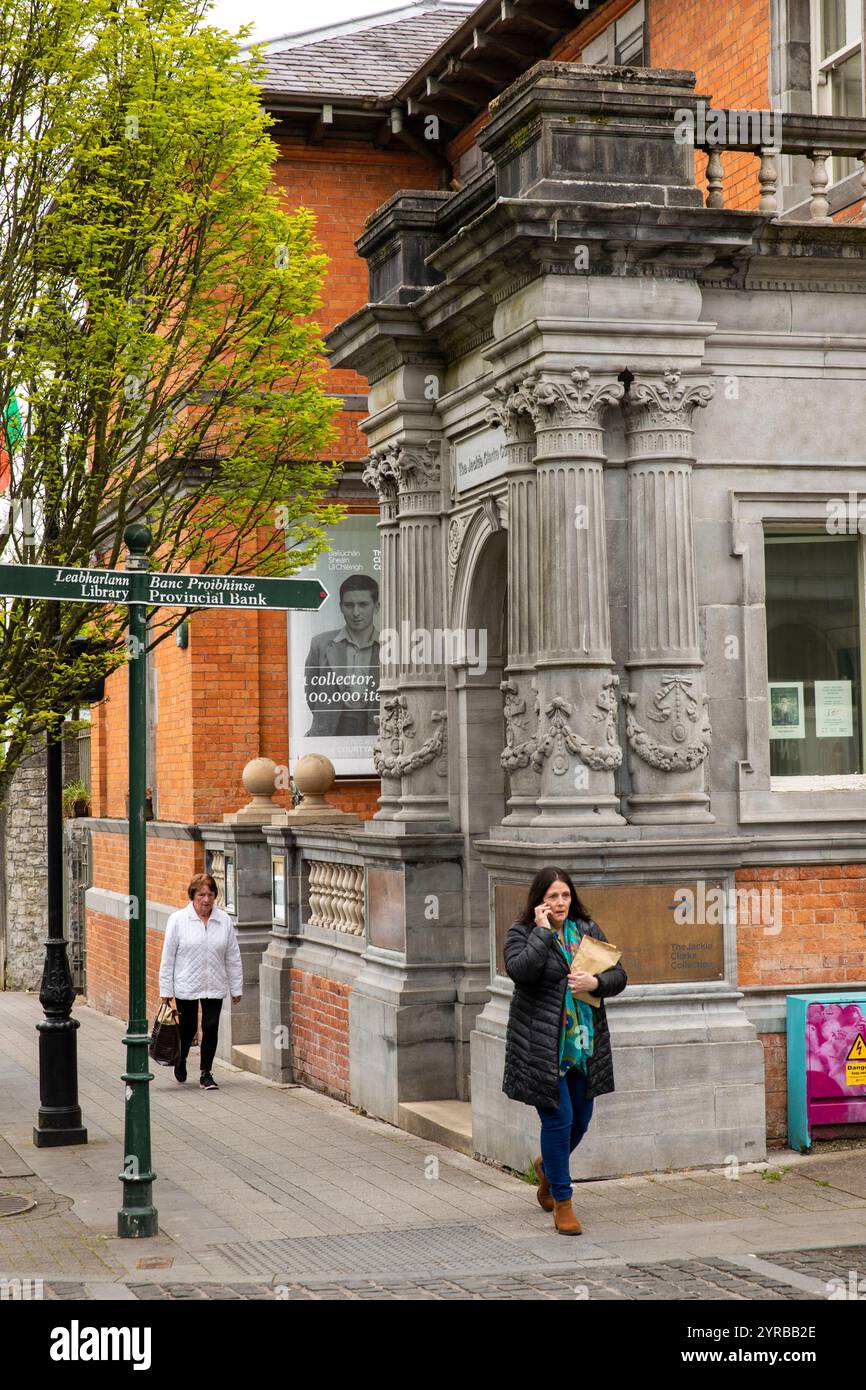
[539, 886]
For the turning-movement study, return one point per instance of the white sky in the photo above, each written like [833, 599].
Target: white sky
[274, 17]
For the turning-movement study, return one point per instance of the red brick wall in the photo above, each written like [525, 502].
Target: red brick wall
[170, 866]
[320, 1033]
[823, 936]
[108, 966]
[727, 45]
[360, 797]
[822, 942]
[344, 184]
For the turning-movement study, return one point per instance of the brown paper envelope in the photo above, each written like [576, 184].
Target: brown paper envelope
[593, 956]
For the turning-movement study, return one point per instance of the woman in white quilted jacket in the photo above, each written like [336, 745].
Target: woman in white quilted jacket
[201, 962]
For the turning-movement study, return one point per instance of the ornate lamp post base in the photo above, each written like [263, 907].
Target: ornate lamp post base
[59, 1119]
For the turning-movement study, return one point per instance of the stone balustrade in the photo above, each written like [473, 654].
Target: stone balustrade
[336, 896]
[769, 135]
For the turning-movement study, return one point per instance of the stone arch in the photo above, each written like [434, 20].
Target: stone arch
[478, 604]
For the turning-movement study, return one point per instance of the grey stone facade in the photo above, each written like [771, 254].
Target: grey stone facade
[578, 430]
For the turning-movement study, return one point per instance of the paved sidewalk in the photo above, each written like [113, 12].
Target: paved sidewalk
[279, 1192]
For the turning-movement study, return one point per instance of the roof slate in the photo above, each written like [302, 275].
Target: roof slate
[368, 63]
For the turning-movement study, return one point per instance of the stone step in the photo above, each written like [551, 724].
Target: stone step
[447, 1122]
[248, 1056]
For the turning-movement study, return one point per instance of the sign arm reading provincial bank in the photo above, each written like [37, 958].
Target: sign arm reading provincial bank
[140, 588]
[75, 585]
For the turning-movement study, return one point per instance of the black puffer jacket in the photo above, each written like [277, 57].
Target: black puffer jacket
[537, 966]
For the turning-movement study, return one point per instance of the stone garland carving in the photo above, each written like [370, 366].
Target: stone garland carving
[680, 756]
[456, 533]
[393, 727]
[676, 689]
[558, 736]
[516, 755]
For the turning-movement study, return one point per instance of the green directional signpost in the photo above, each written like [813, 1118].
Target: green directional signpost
[141, 588]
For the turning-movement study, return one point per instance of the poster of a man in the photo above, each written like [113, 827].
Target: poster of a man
[335, 653]
[341, 680]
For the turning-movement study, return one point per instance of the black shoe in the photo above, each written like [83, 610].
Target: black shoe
[180, 1071]
[207, 1082]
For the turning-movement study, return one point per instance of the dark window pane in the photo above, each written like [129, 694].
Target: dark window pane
[832, 26]
[813, 656]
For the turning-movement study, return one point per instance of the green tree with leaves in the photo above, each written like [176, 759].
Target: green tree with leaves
[156, 327]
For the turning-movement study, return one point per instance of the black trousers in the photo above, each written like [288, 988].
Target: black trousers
[210, 1020]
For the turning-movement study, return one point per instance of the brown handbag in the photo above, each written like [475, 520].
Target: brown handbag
[164, 1046]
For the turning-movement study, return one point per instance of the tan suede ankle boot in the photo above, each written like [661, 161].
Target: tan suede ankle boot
[543, 1189]
[564, 1218]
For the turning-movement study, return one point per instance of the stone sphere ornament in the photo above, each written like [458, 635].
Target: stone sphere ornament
[314, 778]
[260, 778]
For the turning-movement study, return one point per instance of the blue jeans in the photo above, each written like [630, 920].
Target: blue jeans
[562, 1130]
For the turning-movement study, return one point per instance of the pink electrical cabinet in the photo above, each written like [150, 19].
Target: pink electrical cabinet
[835, 1051]
[826, 1063]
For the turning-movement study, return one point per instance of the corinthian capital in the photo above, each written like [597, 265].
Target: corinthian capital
[382, 473]
[507, 404]
[578, 399]
[667, 404]
[420, 469]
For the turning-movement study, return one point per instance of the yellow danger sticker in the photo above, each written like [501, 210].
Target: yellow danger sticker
[855, 1063]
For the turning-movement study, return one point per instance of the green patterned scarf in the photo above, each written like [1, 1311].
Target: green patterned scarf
[576, 1037]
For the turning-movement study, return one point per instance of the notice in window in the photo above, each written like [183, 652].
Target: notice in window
[787, 717]
[834, 714]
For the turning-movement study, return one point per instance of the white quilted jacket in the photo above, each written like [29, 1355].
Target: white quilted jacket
[198, 961]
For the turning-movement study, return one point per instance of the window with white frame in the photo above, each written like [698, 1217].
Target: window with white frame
[622, 43]
[837, 66]
[815, 659]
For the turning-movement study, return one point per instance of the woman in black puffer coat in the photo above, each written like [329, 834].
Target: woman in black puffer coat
[557, 1048]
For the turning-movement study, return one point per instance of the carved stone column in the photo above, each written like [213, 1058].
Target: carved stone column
[510, 410]
[412, 745]
[577, 750]
[382, 476]
[667, 727]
